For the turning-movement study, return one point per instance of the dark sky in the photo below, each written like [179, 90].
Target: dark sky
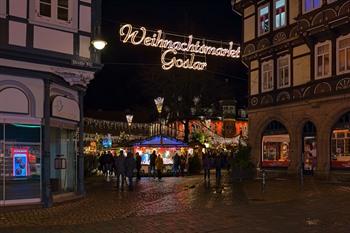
[121, 85]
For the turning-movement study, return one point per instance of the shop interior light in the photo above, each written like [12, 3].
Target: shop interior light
[99, 44]
[26, 126]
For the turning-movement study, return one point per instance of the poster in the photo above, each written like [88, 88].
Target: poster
[310, 153]
[20, 161]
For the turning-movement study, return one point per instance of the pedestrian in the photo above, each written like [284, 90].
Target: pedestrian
[120, 169]
[182, 164]
[218, 166]
[176, 164]
[206, 166]
[103, 163]
[130, 165]
[138, 166]
[159, 166]
[152, 164]
[109, 162]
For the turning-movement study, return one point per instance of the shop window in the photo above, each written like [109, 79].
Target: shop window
[322, 60]
[267, 76]
[309, 148]
[340, 143]
[264, 20]
[60, 14]
[343, 54]
[280, 13]
[310, 5]
[275, 146]
[283, 72]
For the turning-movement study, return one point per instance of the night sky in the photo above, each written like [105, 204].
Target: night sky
[124, 84]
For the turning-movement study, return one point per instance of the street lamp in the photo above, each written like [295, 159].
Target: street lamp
[159, 104]
[99, 44]
[129, 120]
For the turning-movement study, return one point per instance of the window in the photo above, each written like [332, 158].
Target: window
[343, 54]
[310, 5]
[322, 60]
[264, 20]
[62, 14]
[267, 76]
[280, 13]
[3, 8]
[283, 72]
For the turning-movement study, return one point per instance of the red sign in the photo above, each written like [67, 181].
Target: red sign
[340, 164]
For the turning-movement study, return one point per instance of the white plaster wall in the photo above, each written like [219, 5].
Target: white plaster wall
[18, 103]
[37, 88]
[85, 18]
[17, 33]
[18, 8]
[2, 8]
[84, 46]
[53, 40]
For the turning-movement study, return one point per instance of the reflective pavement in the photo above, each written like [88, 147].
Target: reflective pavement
[187, 204]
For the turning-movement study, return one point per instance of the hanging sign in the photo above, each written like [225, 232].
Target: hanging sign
[192, 51]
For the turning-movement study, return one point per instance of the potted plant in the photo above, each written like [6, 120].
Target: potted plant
[242, 167]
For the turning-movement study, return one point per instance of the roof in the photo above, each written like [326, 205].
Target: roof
[161, 141]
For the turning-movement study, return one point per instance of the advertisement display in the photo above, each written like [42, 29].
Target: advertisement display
[20, 161]
[275, 149]
[340, 153]
[310, 153]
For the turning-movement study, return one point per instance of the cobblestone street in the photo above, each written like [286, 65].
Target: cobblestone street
[188, 205]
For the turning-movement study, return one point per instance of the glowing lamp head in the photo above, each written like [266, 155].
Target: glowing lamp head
[99, 44]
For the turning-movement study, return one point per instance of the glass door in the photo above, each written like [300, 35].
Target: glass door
[2, 165]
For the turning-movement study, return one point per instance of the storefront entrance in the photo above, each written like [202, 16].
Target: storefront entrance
[340, 143]
[20, 163]
[309, 155]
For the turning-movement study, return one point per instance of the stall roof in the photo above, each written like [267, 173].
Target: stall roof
[160, 141]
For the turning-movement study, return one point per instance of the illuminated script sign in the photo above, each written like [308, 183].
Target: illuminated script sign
[192, 51]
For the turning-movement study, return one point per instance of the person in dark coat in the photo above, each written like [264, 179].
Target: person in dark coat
[130, 165]
[103, 161]
[206, 166]
[218, 165]
[138, 166]
[176, 165]
[120, 169]
[152, 164]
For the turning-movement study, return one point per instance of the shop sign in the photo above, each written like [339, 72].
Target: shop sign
[65, 108]
[188, 47]
[340, 164]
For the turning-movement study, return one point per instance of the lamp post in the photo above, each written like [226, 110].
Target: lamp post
[159, 104]
[129, 120]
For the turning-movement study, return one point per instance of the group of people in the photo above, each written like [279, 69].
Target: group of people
[156, 165]
[179, 164]
[123, 167]
[214, 160]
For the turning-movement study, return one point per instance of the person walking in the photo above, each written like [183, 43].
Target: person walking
[182, 164]
[120, 169]
[159, 166]
[206, 166]
[176, 164]
[130, 165]
[138, 166]
[152, 164]
[218, 166]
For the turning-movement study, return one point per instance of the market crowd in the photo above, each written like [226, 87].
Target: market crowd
[123, 168]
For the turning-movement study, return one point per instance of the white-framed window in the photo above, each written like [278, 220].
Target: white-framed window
[309, 5]
[323, 63]
[283, 71]
[267, 76]
[62, 14]
[2, 8]
[264, 19]
[280, 13]
[343, 54]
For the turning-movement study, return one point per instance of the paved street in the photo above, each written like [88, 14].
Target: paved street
[188, 205]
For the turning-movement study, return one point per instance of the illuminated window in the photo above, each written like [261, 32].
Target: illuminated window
[310, 5]
[343, 54]
[267, 76]
[280, 13]
[322, 60]
[264, 20]
[283, 72]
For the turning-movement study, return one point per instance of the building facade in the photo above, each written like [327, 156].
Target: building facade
[46, 63]
[298, 55]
